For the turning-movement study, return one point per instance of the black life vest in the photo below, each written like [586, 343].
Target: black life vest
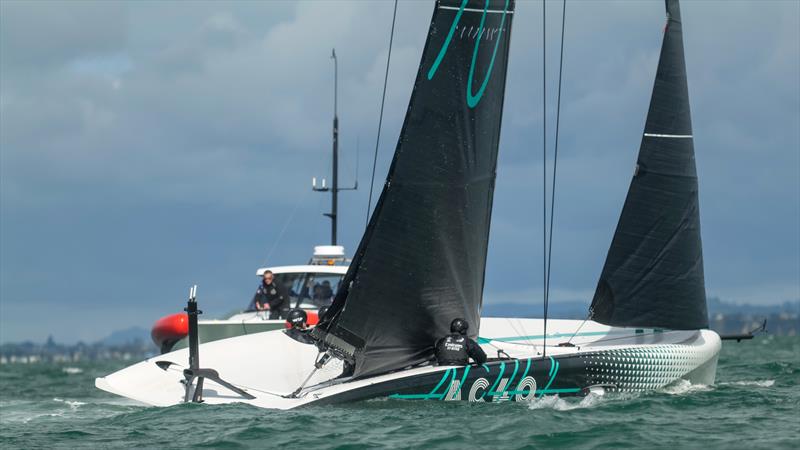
[452, 350]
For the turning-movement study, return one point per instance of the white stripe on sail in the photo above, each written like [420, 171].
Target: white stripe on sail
[676, 136]
[490, 11]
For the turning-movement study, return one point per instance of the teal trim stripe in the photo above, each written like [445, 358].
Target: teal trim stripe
[527, 367]
[499, 376]
[411, 396]
[553, 372]
[482, 340]
[547, 391]
[511, 380]
[453, 372]
[444, 391]
[464, 377]
[558, 391]
[444, 377]
[447, 40]
[429, 395]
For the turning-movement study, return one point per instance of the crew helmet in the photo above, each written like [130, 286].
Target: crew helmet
[297, 318]
[459, 326]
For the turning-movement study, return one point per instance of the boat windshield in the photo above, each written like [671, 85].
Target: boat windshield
[309, 290]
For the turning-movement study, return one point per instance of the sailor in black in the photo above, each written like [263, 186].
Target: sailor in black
[297, 321]
[455, 349]
[271, 296]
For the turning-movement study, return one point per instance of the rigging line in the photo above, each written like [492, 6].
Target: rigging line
[569, 341]
[586, 345]
[653, 333]
[529, 339]
[555, 165]
[544, 170]
[524, 334]
[380, 117]
[358, 156]
[285, 226]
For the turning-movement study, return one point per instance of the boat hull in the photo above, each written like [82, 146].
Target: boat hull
[237, 325]
[270, 366]
[215, 330]
[625, 369]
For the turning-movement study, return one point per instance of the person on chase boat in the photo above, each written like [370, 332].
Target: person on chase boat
[271, 296]
[455, 349]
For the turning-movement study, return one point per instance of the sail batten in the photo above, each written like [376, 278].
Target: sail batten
[653, 274]
[421, 261]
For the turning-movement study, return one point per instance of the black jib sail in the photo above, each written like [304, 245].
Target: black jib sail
[421, 261]
[653, 275]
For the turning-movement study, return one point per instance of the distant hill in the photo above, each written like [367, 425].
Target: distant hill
[717, 306]
[579, 310]
[560, 310]
[724, 317]
[129, 344]
[126, 336]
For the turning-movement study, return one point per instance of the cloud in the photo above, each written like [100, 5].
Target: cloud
[172, 144]
[40, 35]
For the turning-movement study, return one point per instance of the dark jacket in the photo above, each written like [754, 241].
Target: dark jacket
[455, 350]
[273, 295]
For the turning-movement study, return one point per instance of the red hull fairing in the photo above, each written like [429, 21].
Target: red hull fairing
[170, 329]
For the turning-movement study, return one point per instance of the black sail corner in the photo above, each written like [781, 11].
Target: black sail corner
[421, 261]
[653, 274]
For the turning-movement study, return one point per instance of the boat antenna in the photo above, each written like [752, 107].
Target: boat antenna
[549, 248]
[380, 116]
[334, 189]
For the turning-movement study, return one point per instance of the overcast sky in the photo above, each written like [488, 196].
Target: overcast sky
[148, 146]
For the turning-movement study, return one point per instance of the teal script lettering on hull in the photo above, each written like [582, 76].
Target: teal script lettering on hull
[486, 386]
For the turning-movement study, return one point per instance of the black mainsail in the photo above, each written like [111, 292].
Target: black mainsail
[653, 275]
[421, 261]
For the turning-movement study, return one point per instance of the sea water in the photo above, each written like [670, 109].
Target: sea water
[755, 403]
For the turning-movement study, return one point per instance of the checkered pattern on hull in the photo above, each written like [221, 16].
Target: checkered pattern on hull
[643, 368]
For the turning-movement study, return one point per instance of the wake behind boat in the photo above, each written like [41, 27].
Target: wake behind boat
[423, 257]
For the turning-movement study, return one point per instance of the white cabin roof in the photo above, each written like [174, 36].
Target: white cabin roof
[308, 268]
[326, 259]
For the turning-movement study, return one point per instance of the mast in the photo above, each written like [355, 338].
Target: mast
[334, 189]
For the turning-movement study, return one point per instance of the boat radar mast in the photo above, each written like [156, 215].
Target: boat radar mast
[334, 188]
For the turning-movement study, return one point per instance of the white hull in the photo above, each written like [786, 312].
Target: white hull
[236, 325]
[270, 366]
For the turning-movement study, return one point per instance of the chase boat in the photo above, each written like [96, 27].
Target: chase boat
[423, 257]
[310, 287]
